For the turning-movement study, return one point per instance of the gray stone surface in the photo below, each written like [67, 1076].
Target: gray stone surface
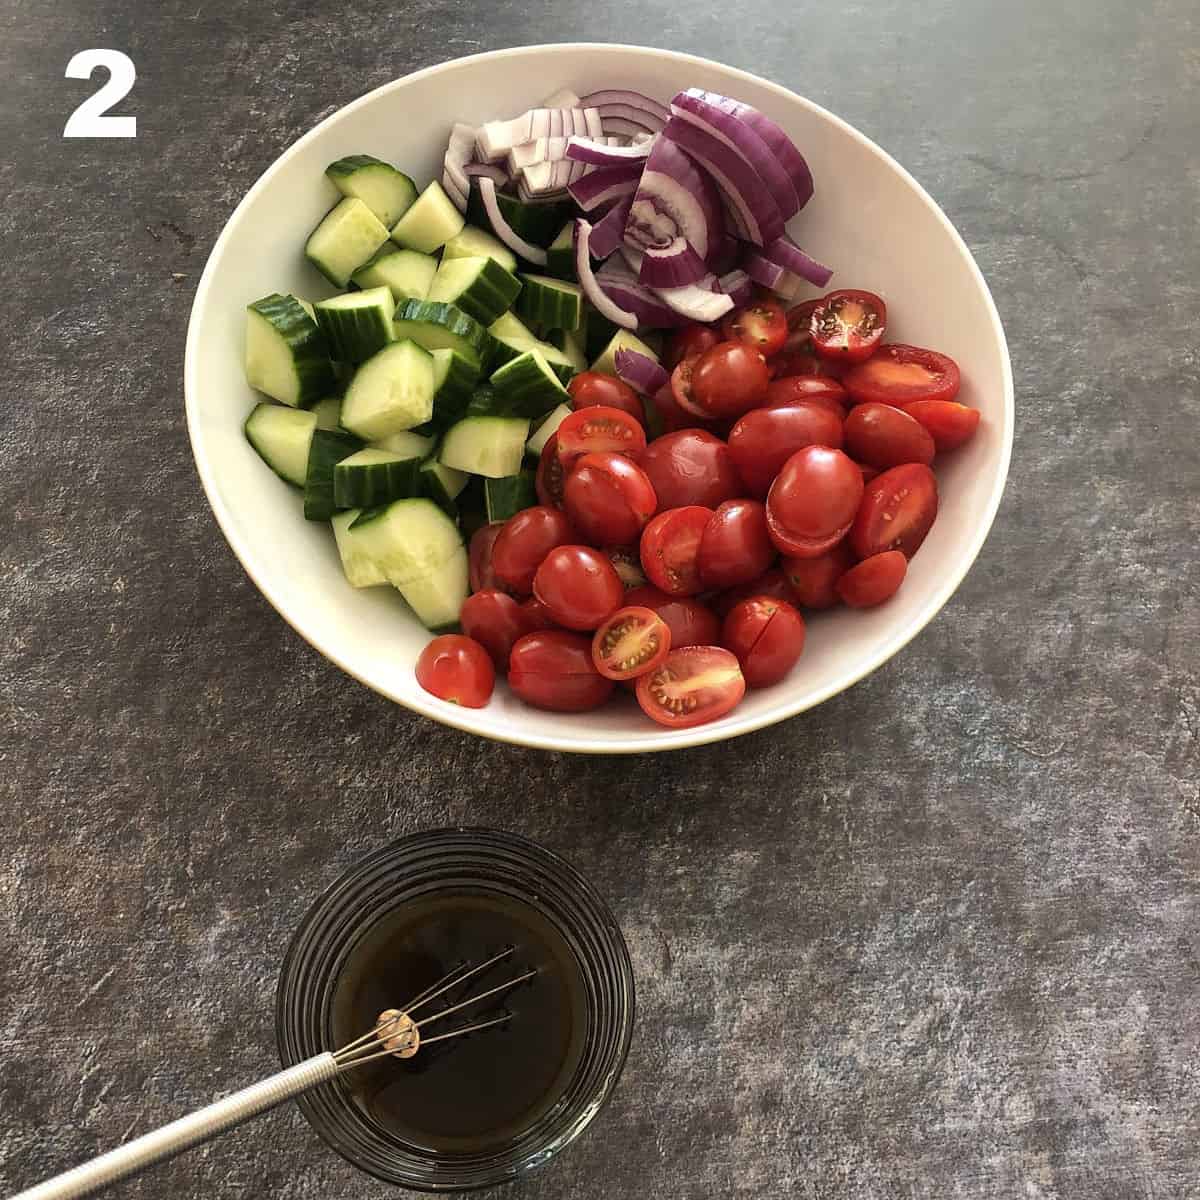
[936, 939]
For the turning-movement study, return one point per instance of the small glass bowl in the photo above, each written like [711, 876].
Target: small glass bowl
[420, 866]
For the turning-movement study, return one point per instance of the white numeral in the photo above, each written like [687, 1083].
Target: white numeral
[88, 120]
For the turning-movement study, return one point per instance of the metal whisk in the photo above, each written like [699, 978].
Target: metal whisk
[396, 1033]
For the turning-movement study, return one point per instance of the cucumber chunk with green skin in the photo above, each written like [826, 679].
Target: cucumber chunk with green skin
[438, 326]
[454, 379]
[546, 430]
[405, 273]
[560, 254]
[528, 385]
[327, 412]
[282, 437]
[478, 243]
[621, 340]
[359, 568]
[357, 324]
[489, 446]
[442, 484]
[598, 332]
[287, 355]
[504, 497]
[407, 540]
[486, 402]
[391, 392]
[373, 476]
[437, 598]
[430, 223]
[571, 344]
[481, 287]
[347, 237]
[538, 223]
[388, 193]
[407, 444]
[552, 303]
[325, 452]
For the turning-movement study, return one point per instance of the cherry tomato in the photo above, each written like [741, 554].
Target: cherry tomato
[735, 546]
[728, 380]
[458, 669]
[814, 580]
[767, 635]
[631, 642]
[479, 557]
[813, 500]
[899, 374]
[848, 325]
[553, 669]
[550, 476]
[763, 440]
[526, 539]
[608, 498]
[579, 586]
[627, 562]
[807, 389]
[692, 685]
[799, 323]
[495, 620]
[536, 615]
[672, 417]
[691, 623]
[681, 389]
[949, 424]
[591, 388]
[598, 428]
[762, 326]
[873, 580]
[670, 549]
[690, 466]
[771, 583]
[689, 342]
[898, 509]
[882, 436]
[868, 472]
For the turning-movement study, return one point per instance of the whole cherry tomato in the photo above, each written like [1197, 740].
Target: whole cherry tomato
[535, 615]
[813, 501]
[495, 620]
[882, 436]
[691, 622]
[873, 580]
[772, 583]
[479, 556]
[553, 669]
[670, 549]
[579, 586]
[457, 669]
[690, 466]
[762, 326]
[689, 342]
[767, 635]
[735, 546]
[814, 580]
[795, 389]
[590, 388]
[763, 440]
[526, 539]
[608, 499]
[728, 380]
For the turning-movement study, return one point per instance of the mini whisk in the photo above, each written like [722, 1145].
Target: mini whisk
[396, 1033]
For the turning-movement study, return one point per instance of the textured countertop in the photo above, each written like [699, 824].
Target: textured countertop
[937, 938]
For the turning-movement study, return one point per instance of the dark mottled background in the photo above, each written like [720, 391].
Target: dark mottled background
[937, 938]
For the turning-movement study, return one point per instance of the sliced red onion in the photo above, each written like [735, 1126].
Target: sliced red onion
[723, 254]
[610, 229]
[495, 139]
[671, 266]
[563, 98]
[697, 301]
[788, 255]
[460, 150]
[697, 108]
[673, 200]
[605, 152]
[594, 123]
[491, 170]
[762, 270]
[456, 194]
[503, 230]
[640, 371]
[629, 129]
[645, 108]
[781, 146]
[651, 312]
[587, 280]
[605, 185]
[746, 192]
[738, 286]
[632, 258]
[557, 124]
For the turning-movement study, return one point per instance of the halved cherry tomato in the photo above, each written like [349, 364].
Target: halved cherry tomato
[767, 635]
[495, 620]
[671, 415]
[814, 580]
[536, 615]
[595, 429]
[899, 374]
[526, 539]
[763, 440]
[681, 389]
[799, 323]
[631, 642]
[553, 669]
[868, 472]
[873, 580]
[479, 557]
[727, 380]
[762, 326]
[692, 685]
[627, 563]
[898, 509]
[591, 388]
[690, 466]
[457, 669]
[735, 546]
[670, 549]
[848, 325]
[813, 500]
[579, 587]
[950, 424]
[689, 342]
[550, 476]
[771, 583]
[691, 623]
[807, 389]
[608, 499]
[882, 436]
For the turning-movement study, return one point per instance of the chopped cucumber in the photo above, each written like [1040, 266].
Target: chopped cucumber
[437, 598]
[454, 379]
[552, 303]
[373, 476]
[481, 287]
[528, 385]
[538, 223]
[560, 254]
[282, 437]
[325, 452]
[510, 337]
[407, 540]
[509, 495]
[357, 324]
[308, 308]
[388, 193]
[598, 331]
[405, 273]
[543, 433]
[359, 568]
[478, 243]
[327, 412]
[571, 342]
[390, 392]
[443, 327]
[344, 240]
[406, 444]
[621, 340]
[430, 223]
[287, 356]
[491, 446]
[442, 484]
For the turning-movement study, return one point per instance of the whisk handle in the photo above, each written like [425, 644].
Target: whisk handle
[185, 1133]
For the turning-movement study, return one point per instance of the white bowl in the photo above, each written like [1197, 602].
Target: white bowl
[869, 219]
